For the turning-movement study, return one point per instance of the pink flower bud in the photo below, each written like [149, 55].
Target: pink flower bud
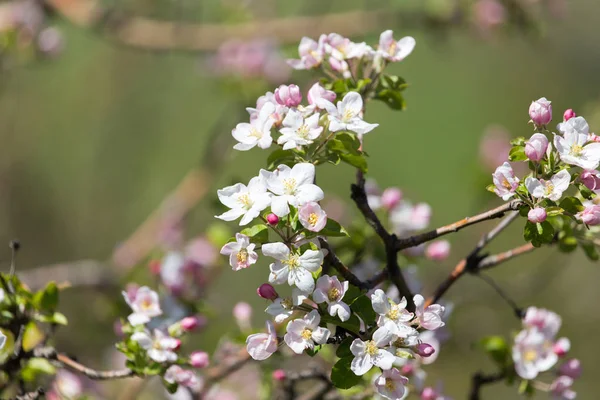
[540, 111]
[272, 219]
[438, 251]
[288, 96]
[429, 393]
[591, 179]
[537, 215]
[424, 349]
[279, 375]
[562, 347]
[391, 198]
[571, 368]
[242, 312]
[199, 359]
[407, 369]
[267, 291]
[177, 345]
[591, 215]
[189, 324]
[536, 146]
[569, 114]
[317, 92]
[592, 137]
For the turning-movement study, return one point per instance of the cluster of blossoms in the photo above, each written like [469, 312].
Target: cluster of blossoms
[536, 349]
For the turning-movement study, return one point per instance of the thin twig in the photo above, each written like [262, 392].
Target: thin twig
[516, 309]
[92, 373]
[332, 259]
[495, 259]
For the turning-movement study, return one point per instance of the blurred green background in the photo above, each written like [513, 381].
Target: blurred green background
[94, 139]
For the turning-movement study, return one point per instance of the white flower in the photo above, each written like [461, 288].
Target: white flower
[160, 348]
[366, 354]
[260, 346]
[392, 317]
[145, 305]
[505, 180]
[291, 186]
[67, 385]
[241, 252]
[572, 145]
[257, 132]
[247, 201]
[545, 321]
[303, 333]
[291, 267]
[283, 308]
[347, 115]
[298, 131]
[552, 189]
[429, 317]
[394, 50]
[331, 291]
[183, 377]
[392, 385]
[312, 216]
[532, 353]
[311, 53]
[407, 218]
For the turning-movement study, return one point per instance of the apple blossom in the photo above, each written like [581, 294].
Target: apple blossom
[569, 113]
[536, 146]
[407, 218]
[291, 186]
[537, 215]
[393, 50]
[342, 48]
[573, 146]
[540, 111]
[561, 388]
[160, 347]
[189, 324]
[298, 131]
[242, 312]
[574, 125]
[347, 115]
[283, 308]
[505, 180]
[391, 384]
[183, 377]
[591, 179]
[261, 346]
[543, 320]
[561, 347]
[311, 53]
[291, 267]
[66, 385]
[438, 251]
[267, 291]
[429, 317]
[591, 215]
[257, 132]
[391, 197]
[571, 368]
[244, 201]
[199, 359]
[330, 290]
[532, 353]
[272, 219]
[241, 252]
[434, 340]
[429, 393]
[145, 306]
[318, 92]
[369, 353]
[552, 189]
[288, 95]
[277, 111]
[303, 333]
[393, 317]
[312, 216]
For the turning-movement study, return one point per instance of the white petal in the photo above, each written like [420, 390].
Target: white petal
[303, 280]
[361, 364]
[380, 302]
[278, 250]
[311, 260]
[384, 360]
[279, 206]
[320, 335]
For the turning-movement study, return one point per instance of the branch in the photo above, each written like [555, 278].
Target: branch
[333, 260]
[493, 260]
[497, 212]
[66, 361]
[479, 380]
[518, 311]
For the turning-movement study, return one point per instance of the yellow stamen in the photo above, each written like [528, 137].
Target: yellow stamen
[289, 185]
[287, 303]
[394, 313]
[242, 256]
[244, 199]
[530, 355]
[255, 133]
[306, 334]
[371, 348]
[506, 183]
[390, 385]
[576, 150]
[313, 219]
[292, 261]
[333, 294]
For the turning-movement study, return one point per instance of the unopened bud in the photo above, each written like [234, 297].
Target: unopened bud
[540, 111]
[391, 197]
[199, 359]
[569, 114]
[267, 291]
[425, 349]
[272, 219]
[537, 215]
[189, 324]
[429, 394]
[279, 375]
[289, 96]
[571, 368]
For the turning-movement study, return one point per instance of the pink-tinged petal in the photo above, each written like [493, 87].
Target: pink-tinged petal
[231, 247]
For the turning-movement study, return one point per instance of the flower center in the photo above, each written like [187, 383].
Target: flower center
[287, 303]
[393, 47]
[371, 348]
[146, 304]
[306, 334]
[255, 133]
[313, 219]
[289, 186]
[303, 131]
[394, 313]
[242, 256]
[400, 342]
[292, 261]
[333, 294]
[244, 199]
[549, 188]
[530, 355]
[390, 385]
[506, 183]
[348, 115]
[576, 150]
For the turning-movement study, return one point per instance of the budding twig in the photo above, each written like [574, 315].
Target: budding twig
[493, 260]
[68, 362]
[332, 259]
[479, 380]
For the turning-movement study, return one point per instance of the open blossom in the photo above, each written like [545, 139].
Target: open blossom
[573, 146]
[276, 110]
[183, 377]
[393, 317]
[532, 353]
[391, 384]
[574, 125]
[438, 251]
[311, 53]
[540, 111]
[536, 146]
[291, 186]
[342, 48]
[393, 50]
[291, 267]
[303, 333]
[160, 347]
[260, 346]
[245, 201]
[505, 180]
[145, 305]
[283, 307]
[591, 179]
[241, 252]
[591, 215]
[331, 291]
[369, 353]
[347, 115]
[552, 189]
[429, 317]
[257, 132]
[66, 385]
[543, 320]
[312, 216]
[298, 131]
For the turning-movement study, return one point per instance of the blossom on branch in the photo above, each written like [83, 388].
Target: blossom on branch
[244, 201]
[261, 346]
[293, 268]
[145, 305]
[303, 333]
[241, 252]
[160, 347]
[331, 291]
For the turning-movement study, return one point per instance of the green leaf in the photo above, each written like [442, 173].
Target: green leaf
[585, 192]
[491, 188]
[553, 211]
[352, 293]
[343, 349]
[32, 336]
[258, 233]
[497, 348]
[342, 376]
[333, 228]
[571, 205]
[35, 367]
[567, 243]
[363, 307]
[517, 153]
[352, 325]
[519, 141]
[313, 352]
[526, 388]
[357, 161]
[47, 299]
[280, 156]
[590, 250]
[538, 234]
[393, 82]
[393, 98]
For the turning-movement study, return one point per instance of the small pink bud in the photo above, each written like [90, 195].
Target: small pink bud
[537, 215]
[199, 359]
[391, 197]
[289, 96]
[591, 179]
[425, 349]
[591, 215]
[536, 146]
[407, 369]
[154, 267]
[438, 251]
[569, 114]
[177, 345]
[562, 347]
[429, 393]
[540, 111]
[267, 291]
[279, 375]
[189, 324]
[272, 219]
[592, 137]
[571, 368]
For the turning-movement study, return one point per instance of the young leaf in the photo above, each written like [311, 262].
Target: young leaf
[333, 228]
[258, 233]
[342, 376]
[571, 205]
[517, 153]
[590, 250]
[497, 348]
[343, 349]
[363, 307]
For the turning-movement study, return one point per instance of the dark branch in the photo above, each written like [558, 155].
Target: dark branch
[332, 259]
[479, 380]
